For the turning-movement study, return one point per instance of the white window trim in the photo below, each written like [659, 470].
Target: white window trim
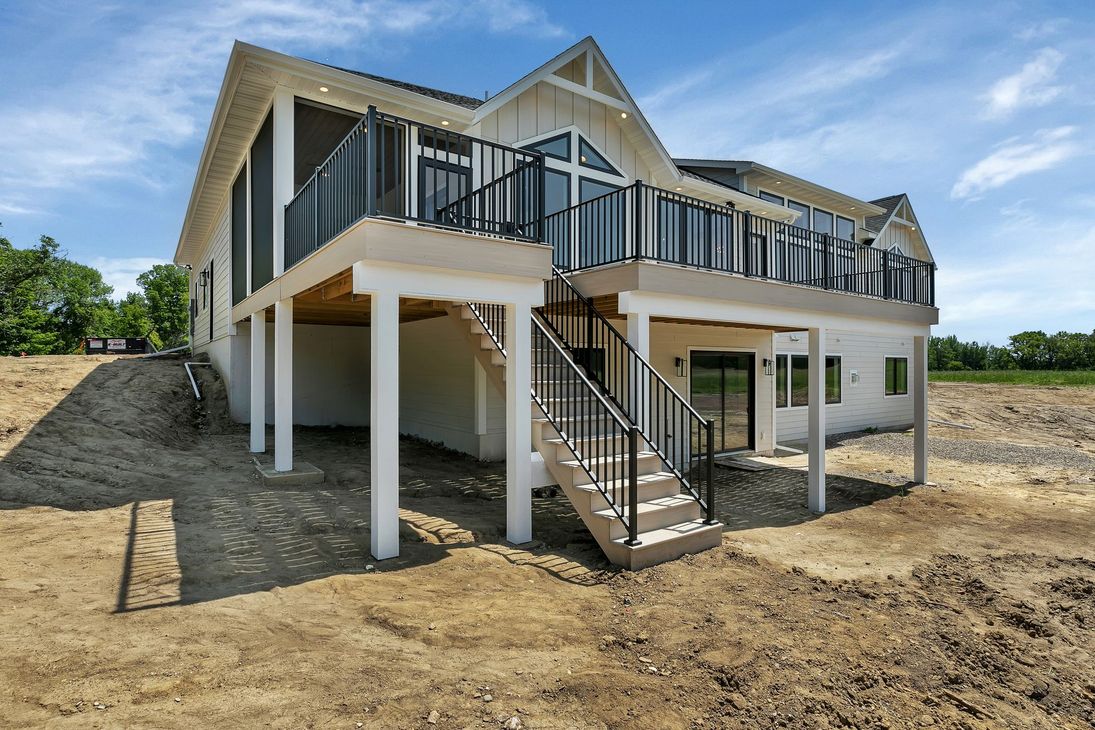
[806, 355]
[885, 395]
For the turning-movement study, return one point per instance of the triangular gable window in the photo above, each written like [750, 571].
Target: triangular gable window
[589, 157]
[557, 146]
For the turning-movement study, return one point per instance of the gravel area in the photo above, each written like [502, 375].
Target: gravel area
[971, 451]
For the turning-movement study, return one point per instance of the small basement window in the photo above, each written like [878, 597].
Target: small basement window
[897, 376]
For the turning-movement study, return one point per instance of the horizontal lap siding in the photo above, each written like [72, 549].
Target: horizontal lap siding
[864, 404]
[217, 251]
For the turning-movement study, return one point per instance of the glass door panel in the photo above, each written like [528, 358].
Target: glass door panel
[722, 389]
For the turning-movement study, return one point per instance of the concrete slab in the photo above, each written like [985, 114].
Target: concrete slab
[302, 474]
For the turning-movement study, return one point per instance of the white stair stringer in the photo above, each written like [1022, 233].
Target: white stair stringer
[669, 520]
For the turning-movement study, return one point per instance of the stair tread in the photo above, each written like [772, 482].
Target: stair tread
[619, 484]
[649, 506]
[670, 533]
[602, 459]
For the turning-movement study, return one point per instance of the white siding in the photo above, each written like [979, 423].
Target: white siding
[863, 404]
[217, 250]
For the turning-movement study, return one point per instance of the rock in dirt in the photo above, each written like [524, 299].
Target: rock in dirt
[433, 717]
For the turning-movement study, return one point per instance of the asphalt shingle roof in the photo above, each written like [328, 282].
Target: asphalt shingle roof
[468, 102]
[874, 223]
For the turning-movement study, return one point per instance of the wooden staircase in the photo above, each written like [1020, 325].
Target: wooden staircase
[585, 449]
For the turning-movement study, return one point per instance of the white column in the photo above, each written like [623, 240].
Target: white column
[920, 409]
[638, 334]
[258, 382]
[283, 385]
[816, 420]
[384, 424]
[518, 423]
[284, 113]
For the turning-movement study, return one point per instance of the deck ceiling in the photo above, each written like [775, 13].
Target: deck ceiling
[332, 302]
[608, 305]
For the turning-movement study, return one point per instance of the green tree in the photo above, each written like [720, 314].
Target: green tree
[25, 322]
[131, 319]
[1031, 350]
[166, 296]
[80, 304]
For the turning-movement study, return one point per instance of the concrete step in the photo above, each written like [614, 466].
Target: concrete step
[665, 543]
[653, 514]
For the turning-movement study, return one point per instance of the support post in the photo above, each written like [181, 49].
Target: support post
[518, 423]
[283, 385]
[816, 480]
[258, 382]
[384, 425]
[920, 409]
[638, 334]
[284, 111]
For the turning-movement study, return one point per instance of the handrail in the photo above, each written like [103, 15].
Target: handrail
[617, 466]
[666, 420]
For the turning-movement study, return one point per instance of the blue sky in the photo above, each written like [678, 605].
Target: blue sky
[983, 113]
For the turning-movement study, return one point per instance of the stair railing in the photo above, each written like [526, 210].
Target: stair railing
[675, 431]
[604, 444]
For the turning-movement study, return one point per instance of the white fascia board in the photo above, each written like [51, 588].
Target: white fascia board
[863, 206]
[657, 304]
[743, 201]
[447, 285]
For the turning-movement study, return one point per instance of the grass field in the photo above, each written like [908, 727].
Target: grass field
[1015, 377]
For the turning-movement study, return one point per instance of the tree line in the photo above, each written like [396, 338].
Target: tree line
[50, 304]
[1031, 350]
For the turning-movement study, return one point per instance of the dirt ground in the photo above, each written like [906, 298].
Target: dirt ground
[147, 578]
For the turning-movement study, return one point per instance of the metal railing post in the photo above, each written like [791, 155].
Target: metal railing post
[541, 214]
[826, 260]
[637, 244]
[886, 285]
[747, 243]
[709, 427]
[370, 161]
[633, 486]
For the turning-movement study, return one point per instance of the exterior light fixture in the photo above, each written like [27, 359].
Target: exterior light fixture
[679, 363]
[324, 89]
[444, 122]
[623, 115]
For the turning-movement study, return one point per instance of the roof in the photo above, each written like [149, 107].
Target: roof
[876, 223]
[468, 102]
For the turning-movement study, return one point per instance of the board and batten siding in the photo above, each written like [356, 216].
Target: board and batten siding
[864, 404]
[901, 235]
[545, 108]
[218, 250]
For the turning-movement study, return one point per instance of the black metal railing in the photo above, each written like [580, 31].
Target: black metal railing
[603, 443]
[668, 423]
[391, 167]
[641, 222]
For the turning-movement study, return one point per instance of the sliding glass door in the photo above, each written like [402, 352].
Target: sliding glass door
[722, 385]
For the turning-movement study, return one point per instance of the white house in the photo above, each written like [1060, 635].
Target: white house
[366, 251]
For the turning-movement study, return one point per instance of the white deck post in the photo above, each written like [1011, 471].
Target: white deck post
[283, 385]
[920, 409]
[384, 424]
[518, 423]
[284, 110]
[638, 334]
[258, 382]
[816, 500]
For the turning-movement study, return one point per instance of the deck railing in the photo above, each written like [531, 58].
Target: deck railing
[641, 222]
[396, 168]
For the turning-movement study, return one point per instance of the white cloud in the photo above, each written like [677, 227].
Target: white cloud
[1031, 86]
[122, 273]
[1013, 159]
[153, 87]
[1044, 29]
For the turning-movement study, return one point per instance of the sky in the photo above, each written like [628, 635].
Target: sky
[984, 113]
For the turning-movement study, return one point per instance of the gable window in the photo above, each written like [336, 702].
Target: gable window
[557, 146]
[897, 376]
[793, 380]
[589, 157]
[896, 248]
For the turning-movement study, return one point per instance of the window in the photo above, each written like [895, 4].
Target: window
[823, 221]
[793, 382]
[440, 185]
[897, 376]
[896, 248]
[832, 379]
[589, 157]
[556, 191]
[845, 228]
[804, 219]
[771, 198]
[557, 146]
[239, 237]
[440, 141]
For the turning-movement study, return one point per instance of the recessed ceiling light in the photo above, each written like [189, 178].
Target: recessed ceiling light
[324, 89]
[680, 188]
[444, 122]
[779, 182]
[852, 208]
[623, 115]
